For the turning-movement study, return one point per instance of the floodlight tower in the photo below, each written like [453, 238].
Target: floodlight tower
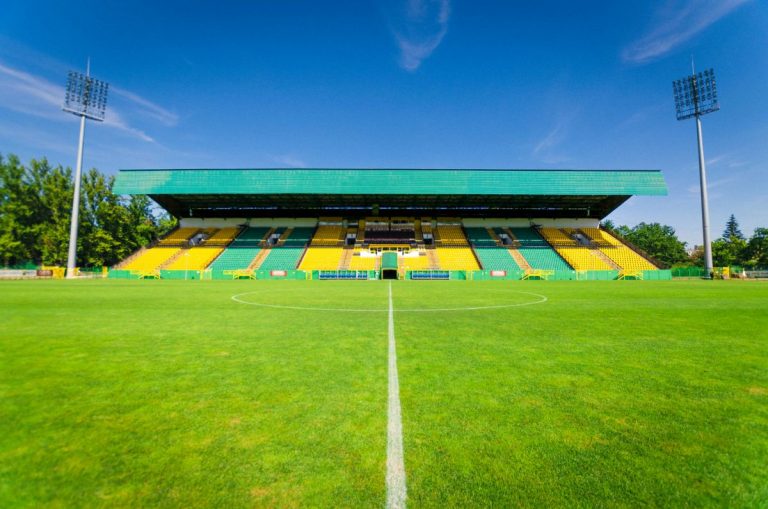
[696, 95]
[86, 98]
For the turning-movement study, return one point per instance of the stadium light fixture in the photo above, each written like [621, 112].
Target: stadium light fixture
[696, 95]
[85, 97]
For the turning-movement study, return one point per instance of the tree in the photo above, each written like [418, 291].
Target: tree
[730, 248]
[728, 252]
[659, 241]
[35, 214]
[732, 231]
[756, 252]
[16, 211]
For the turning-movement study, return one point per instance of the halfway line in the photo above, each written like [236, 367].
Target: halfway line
[396, 491]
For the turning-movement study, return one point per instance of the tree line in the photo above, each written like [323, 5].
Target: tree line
[35, 211]
[732, 248]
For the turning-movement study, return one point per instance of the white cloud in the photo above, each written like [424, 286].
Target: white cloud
[677, 22]
[550, 141]
[25, 93]
[421, 31]
[28, 94]
[712, 184]
[289, 160]
[147, 107]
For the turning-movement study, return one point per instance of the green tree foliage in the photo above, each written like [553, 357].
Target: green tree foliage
[731, 248]
[732, 230]
[727, 252]
[658, 240]
[35, 206]
[756, 253]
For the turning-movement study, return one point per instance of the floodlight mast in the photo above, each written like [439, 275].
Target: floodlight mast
[696, 95]
[86, 98]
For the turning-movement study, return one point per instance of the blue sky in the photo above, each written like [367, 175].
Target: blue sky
[402, 83]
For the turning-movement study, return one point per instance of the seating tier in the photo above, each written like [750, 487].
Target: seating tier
[196, 258]
[619, 253]
[537, 252]
[321, 258]
[241, 252]
[496, 258]
[580, 257]
[456, 258]
[151, 259]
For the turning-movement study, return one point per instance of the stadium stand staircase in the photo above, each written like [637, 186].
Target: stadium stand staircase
[259, 259]
[289, 250]
[434, 262]
[488, 251]
[536, 251]
[140, 252]
[623, 257]
[165, 249]
[200, 256]
[418, 235]
[240, 254]
[579, 256]
[519, 259]
[346, 257]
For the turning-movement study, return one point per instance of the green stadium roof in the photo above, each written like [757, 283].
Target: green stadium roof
[464, 192]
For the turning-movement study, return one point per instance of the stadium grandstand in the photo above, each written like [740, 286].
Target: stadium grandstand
[390, 223]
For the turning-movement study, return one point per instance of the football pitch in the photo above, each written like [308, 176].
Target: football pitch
[119, 393]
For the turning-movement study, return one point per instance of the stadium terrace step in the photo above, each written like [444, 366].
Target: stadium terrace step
[346, 257]
[242, 251]
[615, 252]
[519, 259]
[434, 262]
[259, 259]
[536, 251]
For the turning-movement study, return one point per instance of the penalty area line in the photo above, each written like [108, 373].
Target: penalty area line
[396, 491]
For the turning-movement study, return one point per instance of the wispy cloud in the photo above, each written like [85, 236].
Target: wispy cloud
[288, 160]
[29, 94]
[147, 107]
[553, 138]
[421, 30]
[25, 93]
[676, 22]
[712, 185]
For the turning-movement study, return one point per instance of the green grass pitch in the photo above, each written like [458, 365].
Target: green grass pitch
[172, 394]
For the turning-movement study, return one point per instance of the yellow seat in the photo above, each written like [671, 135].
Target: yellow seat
[578, 256]
[420, 262]
[151, 259]
[196, 258]
[358, 262]
[457, 258]
[329, 235]
[451, 235]
[177, 236]
[321, 258]
[619, 253]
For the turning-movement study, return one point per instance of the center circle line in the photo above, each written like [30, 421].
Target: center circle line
[541, 299]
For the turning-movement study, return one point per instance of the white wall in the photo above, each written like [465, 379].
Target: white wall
[197, 222]
[524, 222]
[221, 222]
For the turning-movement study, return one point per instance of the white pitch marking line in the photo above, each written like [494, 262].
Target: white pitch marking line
[541, 299]
[396, 491]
